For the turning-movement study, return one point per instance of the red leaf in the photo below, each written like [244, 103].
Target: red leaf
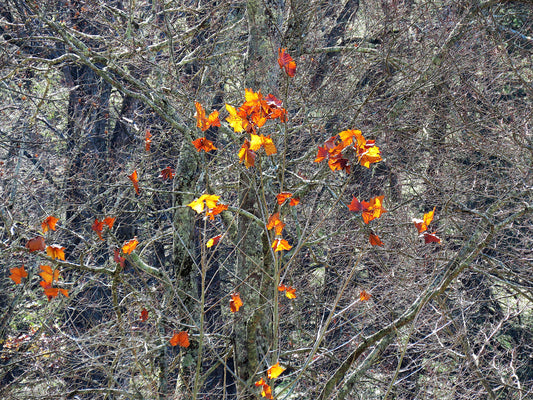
[364, 296]
[431, 238]
[144, 315]
[285, 61]
[147, 140]
[118, 259]
[294, 201]
[167, 173]
[213, 241]
[375, 240]
[283, 196]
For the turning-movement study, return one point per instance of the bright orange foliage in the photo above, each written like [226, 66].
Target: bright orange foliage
[266, 390]
[235, 302]
[283, 196]
[98, 226]
[49, 275]
[135, 180]
[370, 210]
[56, 251]
[211, 212]
[17, 274]
[364, 296]
[49, 223]
[275, 222]
[181, 339]
[294, 201]
[285, 61]
[281, 244]
[290, 292]
[422, 224]
[258, 141]
[205, 123]
[130, 245]
[203, 144]
[275, 371]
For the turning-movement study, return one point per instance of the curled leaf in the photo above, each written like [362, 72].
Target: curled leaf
[56, 251]
[285, 61]
[283, 196]
[290, 293]
[205, 123]
[130, 245]
[48, 275]
[203, 144]
[135, 180]
[167, 174]
[247, 155]
[147, 140]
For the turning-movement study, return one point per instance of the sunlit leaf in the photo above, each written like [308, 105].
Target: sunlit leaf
[283, 196]
[49, 223]
[147, 140]
[135, 180]
[275, 371]
[281, 244]
[431, 237]
[205, 200]
[422, 224]
[213, 241]
[236, 120]
[294, 201]
[247, 155]
[235, 302]
[56, 251]
[205, 123]
[286, 62]
[129, 245]
[290, 292]
[275, 222]
[48, 274]
[364, 296]
[203, 144]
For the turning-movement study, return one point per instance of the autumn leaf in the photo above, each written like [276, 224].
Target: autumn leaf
[205, 123]
[181, 339]
[98, 227]
[285, 61]
[144, 315]
[236, 119]
[118, 259]
[48, 275]
[56, 251]
[290, 293]
[17, 274]
[282, 287]
[258, 141]
[431, 238]
[369, 154]
[36, 244]
[275, 222]
[375, 240]
[109, 221]
[275, 371]
[49, 291]
[364, 296]
[281, 244]
[49, 223]
[130, 245]
[135, 180]
[167, 173]
[266, 391]
[211, 212]
[260, 382]
[283, 196]
[374, 210]
[352, 136]
[213, 241]
[422, 224]
[235, 302]
[203, 144]
[356, 205]
[294, 201]
[205, 200]
[147, 140]
[246, 154]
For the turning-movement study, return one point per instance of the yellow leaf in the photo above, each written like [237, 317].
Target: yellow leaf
[275, 371]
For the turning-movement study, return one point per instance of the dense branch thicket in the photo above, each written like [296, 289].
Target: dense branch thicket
[444, 88]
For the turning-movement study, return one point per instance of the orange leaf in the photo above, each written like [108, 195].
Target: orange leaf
[130, 245]
[422, 224]
[56, 251]
[275, 371]
[258, 141]
[49, 291]
[290, 292]
[236, 119]
[266, 391]
[247, 155]
[17, 274]
[285, 61]
[203, 144]
[260, 382]
[144, 315]
[235, 302]
[350, 136]
[282, 287]
[205, 123]
[275, 222]
[181, 339]
[64, 292]
[167, 173]
[294, 201]
[369, 154]
[147, 140]
[109, 221]
[215, 211]
[135, 179]
[49, 223]
[213, 241]
[36, 244]
[364, 296]
[375, 240]
[374, 209]
[431, 238]
[281, 244]
[49, 275]
[283, 196]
